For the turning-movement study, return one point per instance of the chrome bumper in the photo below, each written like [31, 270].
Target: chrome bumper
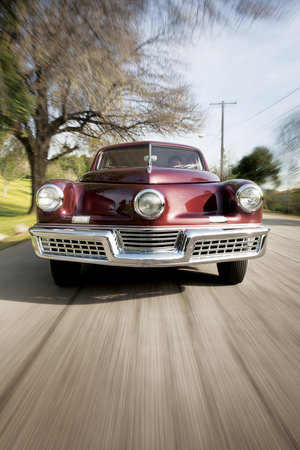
[192, 246]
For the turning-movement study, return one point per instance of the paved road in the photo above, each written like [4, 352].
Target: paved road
[168, 360]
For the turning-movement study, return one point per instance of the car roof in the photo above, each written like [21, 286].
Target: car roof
[140, 143]
[146, 143]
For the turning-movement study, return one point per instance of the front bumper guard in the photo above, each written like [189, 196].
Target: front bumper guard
[180, 256]
[183, 253]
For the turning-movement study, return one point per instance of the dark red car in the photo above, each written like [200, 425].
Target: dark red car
[149, 204]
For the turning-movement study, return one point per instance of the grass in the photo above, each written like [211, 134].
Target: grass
[279, 213]
[13, 212]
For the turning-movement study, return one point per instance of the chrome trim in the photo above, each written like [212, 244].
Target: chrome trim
[60, 193]
[149, 167]
[72, 247]
[214, 248]
[182, 254]
[153, 191]
[81, 219]
[246, 186]
[149, 240]
[217, 219]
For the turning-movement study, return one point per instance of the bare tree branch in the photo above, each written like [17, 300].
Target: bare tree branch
[67, 151]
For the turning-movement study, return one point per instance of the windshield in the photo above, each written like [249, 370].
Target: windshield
[176, 157]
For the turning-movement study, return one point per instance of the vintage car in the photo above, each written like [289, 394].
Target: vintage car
[149, 204]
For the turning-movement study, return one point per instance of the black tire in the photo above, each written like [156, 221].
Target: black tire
[232, 272]
[65, 273]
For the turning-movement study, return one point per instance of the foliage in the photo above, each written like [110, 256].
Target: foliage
[286, 202]
[16, 102]
[258, 166]
[13, 162]
[70, 167]
[227, 171]
[289, 140]
[289, 135]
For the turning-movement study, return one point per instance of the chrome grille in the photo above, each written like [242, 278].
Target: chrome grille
[73, 247]
[219, 247]
[149, 240]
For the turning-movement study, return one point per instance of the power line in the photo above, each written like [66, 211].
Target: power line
[253, 132]
[264, 109]
[253, 86]
[257, 59]
[284, 31]
[215, 137]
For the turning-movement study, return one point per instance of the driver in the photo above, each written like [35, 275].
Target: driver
[174, 161]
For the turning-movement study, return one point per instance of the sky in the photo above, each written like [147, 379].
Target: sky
[255, 65]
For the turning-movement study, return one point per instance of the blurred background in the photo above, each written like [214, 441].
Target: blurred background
[152, 359]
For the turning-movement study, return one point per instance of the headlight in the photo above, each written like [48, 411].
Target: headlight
[250, 197]
[49, 197]
[149, 203]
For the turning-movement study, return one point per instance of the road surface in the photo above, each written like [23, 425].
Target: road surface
[152, 359]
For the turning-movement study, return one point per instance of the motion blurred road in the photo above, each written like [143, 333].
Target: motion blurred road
[152, 359]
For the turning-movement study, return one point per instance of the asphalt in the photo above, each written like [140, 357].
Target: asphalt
[152, 359]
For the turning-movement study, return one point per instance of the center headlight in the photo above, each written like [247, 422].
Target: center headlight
[149, 203]
[250, 197]
[49, 197]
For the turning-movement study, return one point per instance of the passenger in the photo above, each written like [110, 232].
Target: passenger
[174, 161]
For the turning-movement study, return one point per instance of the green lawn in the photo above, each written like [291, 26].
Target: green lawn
[13, 212]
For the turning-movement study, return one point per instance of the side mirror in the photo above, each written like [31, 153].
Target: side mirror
[153, 158]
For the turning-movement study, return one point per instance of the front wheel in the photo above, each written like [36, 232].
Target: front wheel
[232, 272]
[65, 273]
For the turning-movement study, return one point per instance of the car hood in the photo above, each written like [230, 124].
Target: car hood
[158, 175]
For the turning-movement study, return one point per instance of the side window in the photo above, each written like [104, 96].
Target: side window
[104, 162]
[194, 161]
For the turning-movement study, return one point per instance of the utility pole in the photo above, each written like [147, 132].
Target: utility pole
[222, 133]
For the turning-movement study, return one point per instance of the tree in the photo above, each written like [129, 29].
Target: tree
[289, 140]
[13, 162]
[71, 167]
[215, 168]
[289, 135]
[98, 68]
[16, 103]
[258, 166]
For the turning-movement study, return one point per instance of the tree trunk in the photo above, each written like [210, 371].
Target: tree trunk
[38, 165]
[39, 154]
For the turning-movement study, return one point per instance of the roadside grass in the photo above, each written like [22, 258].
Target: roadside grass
[14, 220]
[279, 213]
